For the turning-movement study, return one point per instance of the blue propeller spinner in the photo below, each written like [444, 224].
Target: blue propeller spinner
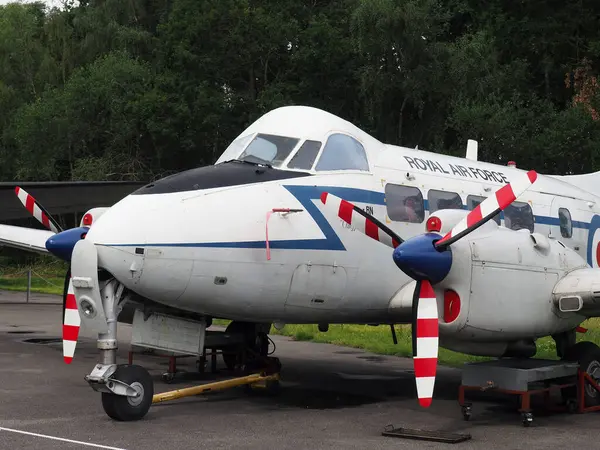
[61, 244]
[421, 260]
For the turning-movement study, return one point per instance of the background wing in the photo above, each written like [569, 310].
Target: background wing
[30, 239]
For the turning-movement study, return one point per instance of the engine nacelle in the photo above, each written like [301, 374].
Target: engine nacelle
[578, 291]
[524, 348]
[501, 286]
[92, 215]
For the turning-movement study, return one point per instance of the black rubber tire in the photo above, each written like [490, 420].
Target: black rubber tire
[123, 408]
[248, 329]
[230, 358]
[587, 354]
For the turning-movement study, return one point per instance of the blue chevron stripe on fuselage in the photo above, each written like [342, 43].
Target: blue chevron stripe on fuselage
[307, 195]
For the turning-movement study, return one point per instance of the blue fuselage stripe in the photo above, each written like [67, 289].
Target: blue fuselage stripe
[306, 195]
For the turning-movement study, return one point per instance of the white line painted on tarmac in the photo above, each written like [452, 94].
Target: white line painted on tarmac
[60, 439]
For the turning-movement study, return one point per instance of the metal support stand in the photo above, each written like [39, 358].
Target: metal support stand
[170, 375]
[524, 398]
[523, 378]
[28, 285]
[583, 378]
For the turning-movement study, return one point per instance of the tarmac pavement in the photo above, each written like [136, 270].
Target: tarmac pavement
[331, 397]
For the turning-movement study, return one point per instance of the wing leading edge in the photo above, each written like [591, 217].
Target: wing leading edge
[30, 239]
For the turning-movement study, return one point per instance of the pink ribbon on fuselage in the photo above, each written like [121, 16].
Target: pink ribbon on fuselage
[269, 213]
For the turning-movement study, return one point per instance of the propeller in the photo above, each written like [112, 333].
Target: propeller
[37, 210]
[71, 320]
[426, 258]
[61, 245]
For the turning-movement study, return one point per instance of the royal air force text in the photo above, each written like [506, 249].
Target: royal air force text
[465, 172]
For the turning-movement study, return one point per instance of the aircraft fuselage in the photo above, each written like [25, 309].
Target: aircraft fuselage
[197, 240]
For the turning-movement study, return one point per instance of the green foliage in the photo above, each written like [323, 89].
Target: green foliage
[144, 88]
[378, 339]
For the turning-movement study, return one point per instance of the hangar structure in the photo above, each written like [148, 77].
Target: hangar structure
[66, 201]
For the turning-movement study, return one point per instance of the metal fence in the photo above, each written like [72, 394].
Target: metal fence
[29, 286]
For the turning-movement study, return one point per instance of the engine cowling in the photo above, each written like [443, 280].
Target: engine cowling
[578, 291]
[506, 282]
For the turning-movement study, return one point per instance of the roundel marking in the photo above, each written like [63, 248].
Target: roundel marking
[593, 245]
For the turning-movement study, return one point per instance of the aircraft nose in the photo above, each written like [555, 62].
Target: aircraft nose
[118, 232]
[124, 223]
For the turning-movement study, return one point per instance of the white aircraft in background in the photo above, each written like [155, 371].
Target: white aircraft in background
[492, 257]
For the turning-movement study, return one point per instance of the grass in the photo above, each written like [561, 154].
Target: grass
[379, 340]
[47, 276]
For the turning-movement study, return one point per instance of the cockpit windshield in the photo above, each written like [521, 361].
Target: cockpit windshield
[341, 152]
[269, 149]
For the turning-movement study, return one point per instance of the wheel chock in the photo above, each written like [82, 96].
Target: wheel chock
[254, 379]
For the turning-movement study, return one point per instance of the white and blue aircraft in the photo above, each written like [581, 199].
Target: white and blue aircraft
[491, 257]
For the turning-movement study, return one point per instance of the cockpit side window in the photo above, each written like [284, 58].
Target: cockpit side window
[305, 156]
[269, 149]
[343, 152]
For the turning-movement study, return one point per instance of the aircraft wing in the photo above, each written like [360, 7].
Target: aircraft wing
[24, 238]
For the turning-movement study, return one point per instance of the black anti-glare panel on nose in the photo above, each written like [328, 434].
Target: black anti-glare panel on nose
[233, 173]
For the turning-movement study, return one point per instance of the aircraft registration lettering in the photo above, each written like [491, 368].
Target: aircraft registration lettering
[462, 171]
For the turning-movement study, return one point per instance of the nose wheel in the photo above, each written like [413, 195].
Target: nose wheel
[128, 408]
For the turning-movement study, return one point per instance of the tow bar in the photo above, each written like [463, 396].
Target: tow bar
[267, 379]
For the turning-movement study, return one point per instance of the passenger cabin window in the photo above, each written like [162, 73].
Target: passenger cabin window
[404, 203]
[566, 224]
[343, 152]
[443, 200]
[519, 215]
[269, 149]
[474, 200]
[305, 156]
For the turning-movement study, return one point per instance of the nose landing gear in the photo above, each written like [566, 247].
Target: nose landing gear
[129, 407]
[128, 390]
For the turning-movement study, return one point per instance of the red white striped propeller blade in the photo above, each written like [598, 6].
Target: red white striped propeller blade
[427, 342]
[36, 210]
[360, 220]
[71, 324]
[488, 208]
